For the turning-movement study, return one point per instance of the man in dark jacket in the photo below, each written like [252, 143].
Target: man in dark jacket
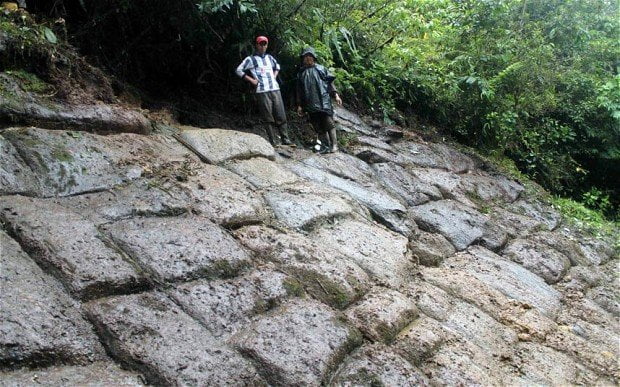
[315, 88]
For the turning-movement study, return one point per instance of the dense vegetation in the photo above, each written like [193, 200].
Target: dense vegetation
[534, 80]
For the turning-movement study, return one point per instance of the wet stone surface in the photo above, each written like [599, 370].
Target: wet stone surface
[225, 306]
[179, 248]
[150, 334]
[219, 145]
[95, 374]
[262, 173]
[378, 365]
[382, 313]
[15, 175]
[386, 208]
[539, 258]
[460, 224]
[39, 323]
[411, 189]
[68, 163]
[381, 253]
[300, 343]
[303, 206]
[147, 264]
[224, 197]
[71, 247]
[325, 273]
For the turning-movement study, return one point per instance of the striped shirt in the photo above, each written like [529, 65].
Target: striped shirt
[262, 68]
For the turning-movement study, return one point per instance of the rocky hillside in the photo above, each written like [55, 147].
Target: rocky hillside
[207, 257]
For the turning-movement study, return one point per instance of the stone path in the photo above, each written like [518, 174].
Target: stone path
[209, 259]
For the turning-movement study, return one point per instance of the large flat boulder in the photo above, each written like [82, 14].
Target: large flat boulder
[219, 145]
[325, 273]
[350, 122]
[386, 208]
[382, 314]
[430, 249]
[68, 163]
[226, 306]
[462, 363]
[150, 334]
[378, 365]
[539, 258]
[101, 373]
[411, 189]
[537, 210]
[381, 253]
[15, 175]
[300, 343]
[510, 279]
[460, 224]
[305, 205]
[179, 248]
[39, 323]
[420, 339]
[71, 247]
[143, 197]
[342, 165]
[262, 172]
[474, 325]
[224, 197]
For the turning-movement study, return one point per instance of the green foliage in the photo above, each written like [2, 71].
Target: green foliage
[29, 82]
[588, 220]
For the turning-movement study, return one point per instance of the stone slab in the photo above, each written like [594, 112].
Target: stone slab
[382, 314]
[411, 189]
[342, 165]
[325, 273]
[300, 343]
[95, 374]
[15, 175]
[69, 163]
[262, 173]
[303, 206]
[179, 248]
[540, 365]
[39, 323]
[381, 253]
[71, 247]
[474, 325]
[141, 197]
[148, 333]
[538, 211]
[224, 197]
[539, 258]
[509, 278]
[420, 339]
[460, 224]
[225, 306]
[378, 365]
[219, 145]
[430, 249]
[384, 207]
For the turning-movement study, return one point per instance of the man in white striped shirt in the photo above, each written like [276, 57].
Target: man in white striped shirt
[261, 70]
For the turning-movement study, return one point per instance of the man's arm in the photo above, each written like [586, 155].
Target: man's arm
[241, 71]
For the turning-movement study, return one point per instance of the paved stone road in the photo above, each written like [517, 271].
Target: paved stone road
[217, 260]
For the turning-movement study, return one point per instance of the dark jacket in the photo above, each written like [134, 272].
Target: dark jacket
[314, 89]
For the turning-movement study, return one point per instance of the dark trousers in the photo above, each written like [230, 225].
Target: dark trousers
[272, 113]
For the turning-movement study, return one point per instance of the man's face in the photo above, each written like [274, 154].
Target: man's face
[308, 60]
[261, 47]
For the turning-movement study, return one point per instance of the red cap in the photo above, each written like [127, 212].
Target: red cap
[261, 38]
